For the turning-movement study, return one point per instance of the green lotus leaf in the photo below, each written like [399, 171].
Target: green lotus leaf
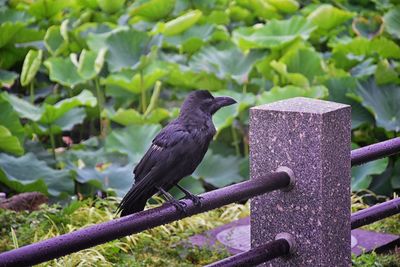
[133, 140]
[12, 15]
[219, 170]
[385, 73]
[9, 118]
[339, 88]
[7, 78]
[392, 22]
[152, 10]
[63, 71]
[115, 177]
[90, 63]
[26, 36]
[327, 17]
[262, 9]
[31, 65]
[46, 9]
[23, 108]
[225, 61]
[280, 93]
[286, 6]
[111, 6]
[225, 116]
[8, 31]
[348, 54]
[189, 183]
[182, 76]
[53, 112]
[10, 143]
[131, 116]
[191, 40]
[395, 180]
[304, 61]
[55, 41]
[27, 173]
[295, 79]
[132, 81]
[361, 176]
[69, 119]
[48, 114]
[275, 34]
[217, 17]
[125, 48]
[387, 115]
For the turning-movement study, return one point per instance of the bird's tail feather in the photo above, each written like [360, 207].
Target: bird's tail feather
[136, 198]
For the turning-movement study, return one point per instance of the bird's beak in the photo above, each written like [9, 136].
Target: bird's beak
[220, 102]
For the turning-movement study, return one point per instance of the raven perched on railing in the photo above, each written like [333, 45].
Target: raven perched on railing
[175, 153]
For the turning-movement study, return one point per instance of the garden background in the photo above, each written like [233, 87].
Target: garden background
[86, 85]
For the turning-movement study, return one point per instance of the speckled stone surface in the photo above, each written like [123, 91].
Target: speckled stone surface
[312, 137]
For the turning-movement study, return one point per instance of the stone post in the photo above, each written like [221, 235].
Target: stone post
[312, 138]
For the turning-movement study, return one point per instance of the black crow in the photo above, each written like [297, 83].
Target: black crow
[175, 152]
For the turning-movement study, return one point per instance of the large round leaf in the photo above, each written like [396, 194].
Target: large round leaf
[219, 170]
[338, 90]
[63, 71]
[273, 35]
[9, 143]
[225, 61]
[304, 61]
[327, 17]
[382, 101]
[348, 54]
[125, 47]
[27, 173]
[392, 21]
[280, 93]
[7, 78]
[133, 140]
[9, 119]
[152, 10]
[361, 176]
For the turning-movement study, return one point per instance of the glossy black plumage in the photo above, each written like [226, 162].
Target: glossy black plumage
[176, 151]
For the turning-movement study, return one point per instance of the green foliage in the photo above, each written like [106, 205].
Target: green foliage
[97, 79]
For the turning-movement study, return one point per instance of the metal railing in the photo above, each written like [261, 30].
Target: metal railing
[100, 233]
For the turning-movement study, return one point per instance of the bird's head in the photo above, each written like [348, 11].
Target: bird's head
[203, 101]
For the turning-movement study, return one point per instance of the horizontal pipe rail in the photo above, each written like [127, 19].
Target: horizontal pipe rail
[376, 151]
[255, 256]
[375, 213]
[135, 223]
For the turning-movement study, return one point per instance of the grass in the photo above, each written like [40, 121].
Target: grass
[161, 246]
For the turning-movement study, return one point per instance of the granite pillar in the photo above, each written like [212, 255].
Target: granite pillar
[312, 138]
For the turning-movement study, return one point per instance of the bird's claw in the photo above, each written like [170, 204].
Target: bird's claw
[195, 199]
[179, 205]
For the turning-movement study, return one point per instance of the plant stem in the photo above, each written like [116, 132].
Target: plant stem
[245, 88]
[32, 93]
[235, 140]
[143, 93]
[52, 142]
[245, 147]
[100, 104]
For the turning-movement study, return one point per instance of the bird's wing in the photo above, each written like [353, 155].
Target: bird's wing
[165, 149]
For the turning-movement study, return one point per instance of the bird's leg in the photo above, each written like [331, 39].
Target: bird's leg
[196, 199]
[179, 205]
